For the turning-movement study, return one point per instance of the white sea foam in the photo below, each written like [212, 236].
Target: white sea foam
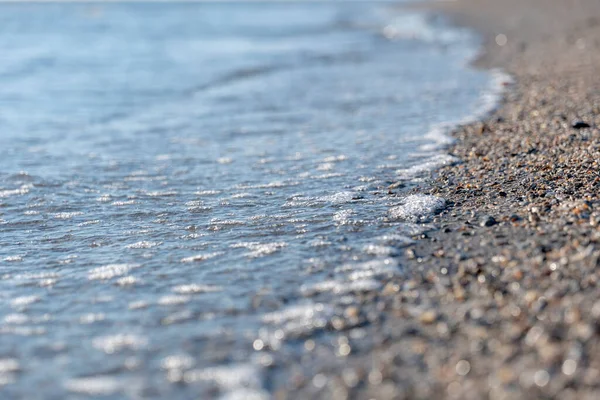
[355, 277]
[178, 362]
[115, 343]
[342, 217]
[396, 240]
[162, 193]
[94, 385]
[418, 208]
[144, 244]
[208, 192]
[172, 300]
[123, 203]
[380, 250]
[237, 381]
[270, 185]
[24, 189]
[127, 281]
[360, 284]
[337, 198]
[201, 257]
[408, 26]
[298, 320]
[380, 266]
[24, 301]
[16, 319]
[9, 365]
[67, 215]
[110, 271]
[196, 288]
[439, 137]
[260, 249]
[425, 167]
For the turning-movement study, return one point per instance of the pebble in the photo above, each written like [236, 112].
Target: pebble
[428, 317]
[488, 221]
[580, 125]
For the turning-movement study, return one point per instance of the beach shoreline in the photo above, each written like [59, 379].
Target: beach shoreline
[518, 249]
[502, 299]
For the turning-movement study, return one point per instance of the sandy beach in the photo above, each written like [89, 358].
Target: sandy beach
[502, 301]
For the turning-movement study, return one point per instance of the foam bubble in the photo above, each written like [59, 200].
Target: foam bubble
[201, 257]
[380, 250]
[439, 135]
[260, 249]
[303, 312]
[178, 362]
[163, 193]
[237, 381]
[360, 284]
[16, 319]
[114, 343]
[172, 300]
[270, 185]
[24, 301]
[195, 289]
[396, 240]
[208, 192]
[296, 321]
[226, 222]
[9, 365]
[417, 27]
[86, 223]
[342, 217]
[123, 203]
[143, 245]
[67, 215]
[418, 208]
[425, 167]
[337, 198]
[127, 281]
[94, 385]
[24, 189]
[110, 271]
[381, 266]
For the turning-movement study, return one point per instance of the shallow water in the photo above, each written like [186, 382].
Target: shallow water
[187, 189]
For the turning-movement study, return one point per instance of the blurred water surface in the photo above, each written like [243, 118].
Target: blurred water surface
[178, 180]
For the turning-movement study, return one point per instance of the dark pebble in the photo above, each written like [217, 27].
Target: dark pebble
[580, 125]
[488, 221]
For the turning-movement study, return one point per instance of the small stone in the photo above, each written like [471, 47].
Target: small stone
[580, 125]
[390, 288]
[518, 274]
[459, 293]
[351, 312]
[514, 218]
[488, 221]
[463, 367]
[428, 317]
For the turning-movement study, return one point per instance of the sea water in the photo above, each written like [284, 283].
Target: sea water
[186, 189]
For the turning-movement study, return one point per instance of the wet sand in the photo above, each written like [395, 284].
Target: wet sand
[502, 300]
